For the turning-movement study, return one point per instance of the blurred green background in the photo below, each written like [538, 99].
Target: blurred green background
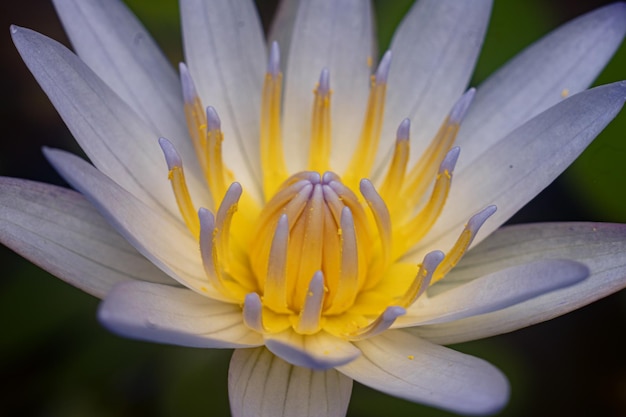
[56, 360]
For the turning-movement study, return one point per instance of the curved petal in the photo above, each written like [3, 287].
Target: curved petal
[117, 141]
[319, 351]
[225, 53]
[408, 367]
[263, 385]
[337, 35]
[154, 233]
[58, 230]
[177, 316]
[518, 167]
[128, 60]
[599, 246]
[434, 50]
[562, 63]
[495, 291]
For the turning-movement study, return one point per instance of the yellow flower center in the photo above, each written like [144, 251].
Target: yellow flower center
[323, 251]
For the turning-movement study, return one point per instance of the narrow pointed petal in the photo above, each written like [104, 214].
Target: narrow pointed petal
[114, 137]
[226, 56]
[408, 367]
[319, 351]
[599, 246]
[435, 49]
[495, 291]
[169, 246]
[337, 35]
[263, 385]
[521, 165]
[562, 63]
[61, 232]
[177, 316]
[129, 61]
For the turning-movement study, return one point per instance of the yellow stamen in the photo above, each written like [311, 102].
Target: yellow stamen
[176, 176]
[272, 158]
[319, 152]
[395, 175]
[363, 159]
[417, 228]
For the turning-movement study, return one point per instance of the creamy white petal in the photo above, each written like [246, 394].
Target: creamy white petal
[177, 316]
[128, 60]
[599, 246]
[562, 63]
[61, 232]
[317, 351]
[337, 35]
[408, 367]
[521, 165]
[263, 385]
[434, 52]
[114, 137]
[226, 56]
[495, 291]
[154, 233]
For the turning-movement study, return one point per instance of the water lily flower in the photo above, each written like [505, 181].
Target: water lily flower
[320, 234]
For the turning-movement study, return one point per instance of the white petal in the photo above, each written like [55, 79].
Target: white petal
[108, 38]
[116, 140]
[434, 52]
[408, 367]
[61, 232]
[564, 62]
[518, 167]
[154, 233]
[495, 291]
[225, 53]
[599, 246]
[318, 351]
[263, 385]
[177, 316]
[337, 35]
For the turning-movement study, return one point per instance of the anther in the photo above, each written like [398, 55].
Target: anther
[309, 320]
[382, 323]
[253, 312]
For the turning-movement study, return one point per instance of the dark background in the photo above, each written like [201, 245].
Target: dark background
[56, 360]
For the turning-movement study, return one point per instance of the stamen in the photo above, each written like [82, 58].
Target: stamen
[397, 169]
[382, 323]
[272, 158]
[209, 255]
[253, 312]
[423, 278]
[309, 320]
[363, 159]
[225, 213]
[417, 228]
[307, 241]
[194, 112]
[419, 178]
[382, 218]
[176, 176]
[215, 172]
[319, 154]
[348, 284]
[275, 292]
[462, 244]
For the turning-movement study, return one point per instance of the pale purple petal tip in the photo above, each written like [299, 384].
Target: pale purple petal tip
[383, 68]
[212, 119]
[324, 84]
[404, 130]
[462, 105]
[189, 88]
[171, 156]
[273, 64]
[449, 162]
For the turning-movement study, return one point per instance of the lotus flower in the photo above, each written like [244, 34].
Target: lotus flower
[320, 234]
